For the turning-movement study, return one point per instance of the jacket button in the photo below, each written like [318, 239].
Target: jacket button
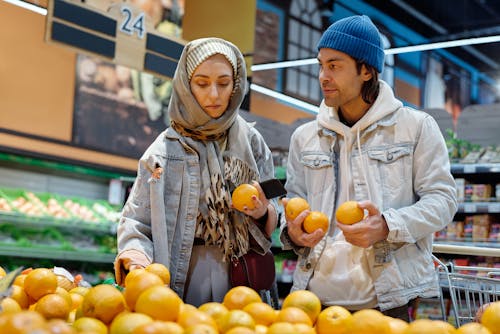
[308, 265]
[389, 156]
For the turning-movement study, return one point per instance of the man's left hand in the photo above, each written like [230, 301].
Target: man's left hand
[371, 229]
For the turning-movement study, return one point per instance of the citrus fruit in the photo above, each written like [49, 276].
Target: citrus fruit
[192, 316]
[40, 282]
[333, 319]
[76, 300]
[87, 324]
[103, 302]
[240, 330]
[126, 322]
[444, 327]
[213, 309]
[9, 305]
[53, 306]
[235, 318]
[239, 297]
[281, 328]
[349, 213]
[161, 270]
[491, 317]
[138, 284]
[20, 296]
[261, 312]
[420, 326]
[159, 327]
[305, 300]
[293, 315]
[473, 328]
[398, 326]
[59, 326]
[260, 329]
[81, 290]
[242, 196]
[22, 322]
[315, 220]
[159, 302]
[295, 206]
[132, 274]
[200, 329]
[301, 328]
[369, 321]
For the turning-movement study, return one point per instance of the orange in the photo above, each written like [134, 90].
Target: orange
[126, 322]
[59, 326]
[398, 326]
[103, 302]
[159, 327]
[295, 206]
[40, 282]
[235, 318]
[260, 329]
[53, 306]
[23, 322]
[132, 274]
[240, 330]
[261, 312]
[161, 270]
[9, 305]
[242, 196]
[444, 327]
[239, 297]
[20, 296]
[369, 321]
[201, 329]
[333, 319]
[213, 309]
[76, 300]
[81, 290]
[491, 317]
[305, 300]
[19, 280]
[86, 324]
[423, 326]
[160, 303]
[473, 328]
[301, 328]
[192, 316]
[282, 328]
[349, 213]
[137, 285]
[315, 220]
[293, 315]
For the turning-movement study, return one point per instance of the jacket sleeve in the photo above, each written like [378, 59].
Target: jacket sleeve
[434, 188]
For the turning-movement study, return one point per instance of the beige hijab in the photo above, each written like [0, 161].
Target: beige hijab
[219, 175]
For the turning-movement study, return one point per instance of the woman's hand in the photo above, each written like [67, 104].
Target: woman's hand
[260, 203]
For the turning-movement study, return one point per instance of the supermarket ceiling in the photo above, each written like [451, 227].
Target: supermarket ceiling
[445, 20]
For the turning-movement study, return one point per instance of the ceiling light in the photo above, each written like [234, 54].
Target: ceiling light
[282, 97]
[28, 5]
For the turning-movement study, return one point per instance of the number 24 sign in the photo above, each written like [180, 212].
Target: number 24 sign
[132, 24]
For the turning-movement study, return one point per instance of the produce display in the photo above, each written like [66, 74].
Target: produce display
[50, 300]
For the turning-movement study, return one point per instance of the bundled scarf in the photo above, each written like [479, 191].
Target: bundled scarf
[220, 224]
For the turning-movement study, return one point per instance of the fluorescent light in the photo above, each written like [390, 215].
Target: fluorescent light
[285, 98]
[404, 49]
[27, 5]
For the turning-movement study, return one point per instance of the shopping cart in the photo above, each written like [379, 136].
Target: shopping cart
[469, 288]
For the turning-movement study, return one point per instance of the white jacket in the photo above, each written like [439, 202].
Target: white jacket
[401, 164]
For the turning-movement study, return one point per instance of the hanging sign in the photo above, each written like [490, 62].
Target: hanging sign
[122, 35]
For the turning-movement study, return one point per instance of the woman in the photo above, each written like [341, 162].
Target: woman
[179, 212]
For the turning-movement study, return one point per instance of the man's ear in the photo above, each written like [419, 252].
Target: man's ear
[366, 74]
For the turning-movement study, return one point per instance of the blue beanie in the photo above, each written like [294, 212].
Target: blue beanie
[358, 37]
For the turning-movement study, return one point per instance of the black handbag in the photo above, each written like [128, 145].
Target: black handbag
[253, 270]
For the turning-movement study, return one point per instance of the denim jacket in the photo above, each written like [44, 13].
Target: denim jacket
[159, 218]
[402, 165]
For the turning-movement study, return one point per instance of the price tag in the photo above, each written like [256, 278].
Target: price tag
[494, 207]
[469, 207]
[469, 169]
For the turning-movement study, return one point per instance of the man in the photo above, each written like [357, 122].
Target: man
[366, 146]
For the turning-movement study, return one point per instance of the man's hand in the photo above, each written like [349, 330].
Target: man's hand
[371, 229]
[297, 233]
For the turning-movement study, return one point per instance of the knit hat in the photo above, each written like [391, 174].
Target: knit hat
[358, 37]
[206, 48]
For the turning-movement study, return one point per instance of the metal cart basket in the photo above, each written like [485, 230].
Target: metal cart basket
[470, 288]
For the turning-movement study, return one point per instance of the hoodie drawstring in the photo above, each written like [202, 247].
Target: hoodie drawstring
[363, 169]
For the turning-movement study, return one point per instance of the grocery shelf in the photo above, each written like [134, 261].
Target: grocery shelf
[69, 224]
[485, 249]
[56, 254]
[475, 168]
[479, 207]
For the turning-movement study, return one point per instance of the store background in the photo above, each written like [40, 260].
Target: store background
[72, 125]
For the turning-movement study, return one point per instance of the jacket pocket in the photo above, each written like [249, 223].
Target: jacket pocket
[318, 170]
[392, 167]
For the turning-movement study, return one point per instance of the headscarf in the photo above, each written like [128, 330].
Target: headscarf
[202, 132]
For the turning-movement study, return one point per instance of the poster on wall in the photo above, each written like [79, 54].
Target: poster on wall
[119, 110]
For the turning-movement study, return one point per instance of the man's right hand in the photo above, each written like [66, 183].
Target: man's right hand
[297, 233]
